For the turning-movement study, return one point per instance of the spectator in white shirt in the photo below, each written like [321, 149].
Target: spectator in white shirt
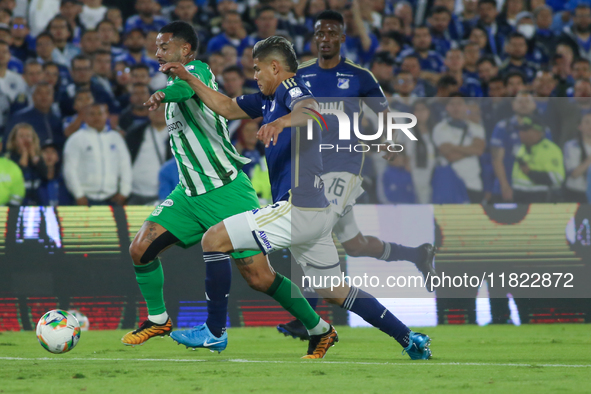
[149, 148]
[40, 13]
[460, 143]
[577, 160]
[93, 12]
[97, 166]
[11, 83]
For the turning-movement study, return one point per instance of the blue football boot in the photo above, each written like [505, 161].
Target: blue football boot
[418, 347]
[200, 337]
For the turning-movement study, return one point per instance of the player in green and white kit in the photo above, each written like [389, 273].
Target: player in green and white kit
[212, 188]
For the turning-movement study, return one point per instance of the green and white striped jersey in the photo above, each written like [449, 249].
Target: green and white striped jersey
[205, 157]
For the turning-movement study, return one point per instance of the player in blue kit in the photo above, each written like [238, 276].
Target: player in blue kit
[301, 217]
[337, 82]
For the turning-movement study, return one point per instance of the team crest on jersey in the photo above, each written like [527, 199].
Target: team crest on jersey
[343, 83]
[308, 84]
[272, 106]
[189, 68]
[167, 203]
[295, 92]
[157, 211]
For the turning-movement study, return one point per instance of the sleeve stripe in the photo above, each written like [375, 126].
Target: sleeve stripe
[349, 62]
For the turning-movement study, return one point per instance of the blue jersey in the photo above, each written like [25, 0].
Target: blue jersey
[293, 168]
[433, 62]
[340, 88]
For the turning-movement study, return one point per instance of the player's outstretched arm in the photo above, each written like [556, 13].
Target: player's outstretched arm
[270, 132]
[216, 101]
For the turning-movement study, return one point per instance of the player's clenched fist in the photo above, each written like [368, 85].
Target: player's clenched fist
[155, 101]
[177, 69]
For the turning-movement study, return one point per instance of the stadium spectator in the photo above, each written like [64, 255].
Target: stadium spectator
[382, 67]
[247, 68]
[12, 184]
[397, 181]
[40, 12]
[149, 149]
[22, 43]
[33, 74]
[136, 113]
[469, 15]
[146, 18]
[577, 160]
[216, 63]
[454, 61]
[412, 65]
[11, 83]
[471, 53]
[391, 42]
[544, 35]
[97, 167]
[515, 82]
[60, 31]
[439, 21]
[266, 26]
[71, 10]
[430, 61]
[249, 146]
[168, 178]
[460, 142]
[516, 50]
[404, 86]
[421, 153]
[90, 42]
[109, 38]
[82, 99]
[404, 12]
[82, 77]
[44, 48]
[538, 171]
[53, 191]
[93, 11]
[115, 16]
[23, 148]
[46, 124]
[578, 36]
[135, 43]
[14, 64]
[102, 69]
[543, 87]
[496, 29]
[188, 11]
[487, 70]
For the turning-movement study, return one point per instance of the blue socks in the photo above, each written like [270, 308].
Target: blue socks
[218, 278]
[395, 252]
[367, 307]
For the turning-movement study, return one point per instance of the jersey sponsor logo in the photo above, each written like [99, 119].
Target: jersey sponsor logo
[264, 240]
[338, 105]
[167, 203]
[157, 211]
[343, 83]
[175, 126]
[344, 75]
[189, 68]
[308, 75]
[169, 83]
[295, 92]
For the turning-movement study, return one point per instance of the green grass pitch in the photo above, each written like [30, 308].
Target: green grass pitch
[466, 359]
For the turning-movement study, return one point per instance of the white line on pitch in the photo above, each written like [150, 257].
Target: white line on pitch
[190, 360]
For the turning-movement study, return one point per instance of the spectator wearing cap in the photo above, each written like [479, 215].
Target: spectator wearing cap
[577, 160]
[47, 125]
[59, 30]
[454, 61]
[135, 42]
[71, 10]
[82, 77]
[23, 148]
[146, 18]
[495, 28]
[487, 69]
[439, 21]
[360, 43]
[578, 36]
[136, 113]
[23, 44]
[412, 65]
[149, 149]
[11, 83]
[516, 50]
[92, 13]
[538, 171]
[97, 166]
[233, 33]
[460, 143]
[53, 191]
[430, 61]
[471, 57]
[44, 49]
[382, 67]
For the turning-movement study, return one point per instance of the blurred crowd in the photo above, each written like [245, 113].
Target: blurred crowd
[501, 91]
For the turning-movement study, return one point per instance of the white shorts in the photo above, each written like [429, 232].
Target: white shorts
[342, 189]
[306, 232]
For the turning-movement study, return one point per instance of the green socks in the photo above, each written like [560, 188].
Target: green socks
[150, 277]
[291, 299]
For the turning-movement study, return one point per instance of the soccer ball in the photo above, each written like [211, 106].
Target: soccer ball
[58, 331]
[82, 319]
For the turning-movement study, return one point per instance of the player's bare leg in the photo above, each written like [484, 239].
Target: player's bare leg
[415, 344]
[149, 242]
